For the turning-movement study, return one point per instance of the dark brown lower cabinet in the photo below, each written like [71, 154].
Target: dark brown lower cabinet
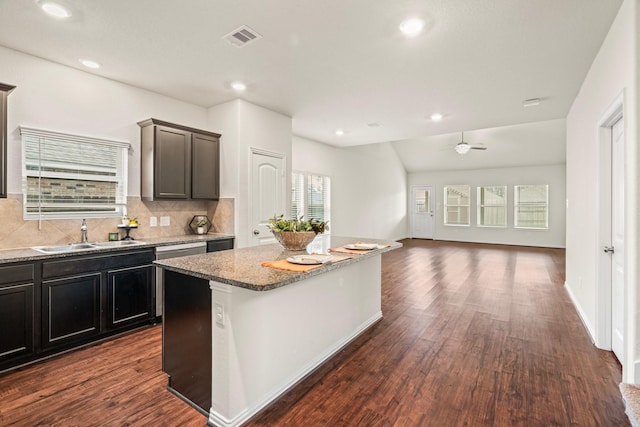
[71, 309]
[16, 320]
[130, 296]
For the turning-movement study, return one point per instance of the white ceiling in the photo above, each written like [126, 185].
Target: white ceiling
[339, 64]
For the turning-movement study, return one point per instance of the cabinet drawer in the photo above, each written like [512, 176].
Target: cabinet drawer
[85, 264]
[16, 274]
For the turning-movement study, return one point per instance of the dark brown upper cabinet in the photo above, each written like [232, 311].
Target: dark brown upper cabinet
[5, 90]
[178, 162]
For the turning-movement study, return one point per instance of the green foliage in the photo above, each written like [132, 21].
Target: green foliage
[278, 224]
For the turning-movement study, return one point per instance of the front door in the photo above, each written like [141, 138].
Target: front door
[422, 219]
[617, 239]
[267, 194]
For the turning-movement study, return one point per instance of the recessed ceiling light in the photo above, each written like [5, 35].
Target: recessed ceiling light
[90, 64]
[339, 132]
[56, 10]
[238, 86]
[436, 117]
[531, 102]
[412, 27]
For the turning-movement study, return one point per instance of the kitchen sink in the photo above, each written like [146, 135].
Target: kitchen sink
[73, 247]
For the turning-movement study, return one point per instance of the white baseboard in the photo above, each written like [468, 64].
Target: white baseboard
[585, 321]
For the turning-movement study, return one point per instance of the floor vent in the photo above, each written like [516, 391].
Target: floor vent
[242, 36]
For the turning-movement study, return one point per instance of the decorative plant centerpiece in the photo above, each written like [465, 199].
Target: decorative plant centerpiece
[295, 234]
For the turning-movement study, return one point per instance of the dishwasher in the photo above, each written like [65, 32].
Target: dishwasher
[173, 251]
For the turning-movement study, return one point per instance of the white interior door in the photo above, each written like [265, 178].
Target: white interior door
[267, 194]
[617, 239]
[422, 218]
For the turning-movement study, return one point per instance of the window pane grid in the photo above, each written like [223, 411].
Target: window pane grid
[531, 207]
[492, 206]
[457, 204]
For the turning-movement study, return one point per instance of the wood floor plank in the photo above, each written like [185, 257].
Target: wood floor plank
[472, 335]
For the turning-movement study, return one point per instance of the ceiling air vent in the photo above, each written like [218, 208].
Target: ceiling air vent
[242, 36]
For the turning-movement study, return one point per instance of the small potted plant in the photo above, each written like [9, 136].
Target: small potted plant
[295, 234]
[200, 224]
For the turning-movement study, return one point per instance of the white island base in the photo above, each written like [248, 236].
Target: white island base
[263, 343]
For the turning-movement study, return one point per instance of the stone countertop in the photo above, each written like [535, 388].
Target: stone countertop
[242, 267]
[29, 254]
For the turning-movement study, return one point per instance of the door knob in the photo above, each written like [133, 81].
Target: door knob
[609, 250]
[256, 232]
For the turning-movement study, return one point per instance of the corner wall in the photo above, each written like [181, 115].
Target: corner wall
[368, 187]
[613, 72]
[244, 126]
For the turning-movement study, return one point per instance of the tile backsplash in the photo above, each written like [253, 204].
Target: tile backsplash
[17, 233]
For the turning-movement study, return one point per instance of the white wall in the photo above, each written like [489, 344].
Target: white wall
[368, 187]
[59, 98]
[613, 72]
[553, 175]
[244, 126]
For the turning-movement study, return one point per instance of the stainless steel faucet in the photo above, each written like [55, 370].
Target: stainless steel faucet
[83, 231]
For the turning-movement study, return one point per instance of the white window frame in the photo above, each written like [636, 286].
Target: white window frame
[517, 204]
[447, 205]
[107, 161]
[300, 196]
[481, 206]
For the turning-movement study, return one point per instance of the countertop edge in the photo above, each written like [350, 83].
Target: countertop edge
[291, 277]
[26, 254]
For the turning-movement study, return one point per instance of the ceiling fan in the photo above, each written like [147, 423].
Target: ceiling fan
[464, 147]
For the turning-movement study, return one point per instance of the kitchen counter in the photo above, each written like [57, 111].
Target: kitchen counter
[243, 267]
[230, 349]
[29, 254]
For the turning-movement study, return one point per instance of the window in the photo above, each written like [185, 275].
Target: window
[531, 206]
[310, 196]
[456, 204]
[492, 206]
[69, 176]
[422, 200]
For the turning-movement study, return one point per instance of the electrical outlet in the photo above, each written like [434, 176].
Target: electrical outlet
[153, 221]
[165, 221]
[219, 312]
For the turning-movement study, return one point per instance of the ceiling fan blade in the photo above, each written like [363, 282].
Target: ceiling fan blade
[475, 147]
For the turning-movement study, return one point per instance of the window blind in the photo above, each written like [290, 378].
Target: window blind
[310, 196]
[71, 176]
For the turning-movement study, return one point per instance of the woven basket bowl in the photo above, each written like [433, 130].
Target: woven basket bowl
[295, 240]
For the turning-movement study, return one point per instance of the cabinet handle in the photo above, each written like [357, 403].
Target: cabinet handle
[609, 250]
[256, 232]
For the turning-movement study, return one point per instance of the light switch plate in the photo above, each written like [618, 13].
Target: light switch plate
[165, 221]
[153, 221]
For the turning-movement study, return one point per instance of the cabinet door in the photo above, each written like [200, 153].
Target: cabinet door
[16, 321]
[205, 165]
[130, 296]
[172, 168]
[71, 309]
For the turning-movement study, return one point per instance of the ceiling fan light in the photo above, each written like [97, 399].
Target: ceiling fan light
[463, 148]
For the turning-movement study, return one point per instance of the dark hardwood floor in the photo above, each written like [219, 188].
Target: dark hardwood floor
[472, 335]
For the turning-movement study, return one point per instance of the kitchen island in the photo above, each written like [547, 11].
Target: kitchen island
[238, 334]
